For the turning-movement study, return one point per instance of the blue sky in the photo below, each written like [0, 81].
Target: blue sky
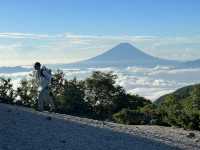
[69, 30]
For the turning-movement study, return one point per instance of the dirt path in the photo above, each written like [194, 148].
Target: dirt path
[26, 129]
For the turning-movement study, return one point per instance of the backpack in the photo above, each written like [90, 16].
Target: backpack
[47, 75]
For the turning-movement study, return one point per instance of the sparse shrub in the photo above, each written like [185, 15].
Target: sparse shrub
[72, 100]
[101, 93]
[7, 93]
[58, 83]
[27, 93]
[131, 117]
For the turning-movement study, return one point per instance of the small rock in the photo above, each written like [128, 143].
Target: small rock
[191, 135]
[197, 140]
[62, 141]
[49, 118]
[9, 110]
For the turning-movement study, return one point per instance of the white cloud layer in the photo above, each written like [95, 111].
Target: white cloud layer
[148, 82]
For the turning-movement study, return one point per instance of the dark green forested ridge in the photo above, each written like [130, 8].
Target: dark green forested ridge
[182, 107]
[180, 94]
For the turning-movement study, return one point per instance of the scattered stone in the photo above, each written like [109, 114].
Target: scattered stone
[186, 129]
[197, 140]
[9, 110]
[191, 135]
[63, 141]
[173, 127]
[49, 118]
[81, 126]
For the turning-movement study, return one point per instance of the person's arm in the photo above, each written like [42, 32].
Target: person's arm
[36, 77]
[47, 75]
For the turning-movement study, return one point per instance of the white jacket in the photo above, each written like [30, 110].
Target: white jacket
[44, 80]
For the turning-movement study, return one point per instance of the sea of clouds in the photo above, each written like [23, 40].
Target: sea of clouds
[148, 82]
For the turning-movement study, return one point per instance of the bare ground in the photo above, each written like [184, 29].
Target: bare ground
[25, 129]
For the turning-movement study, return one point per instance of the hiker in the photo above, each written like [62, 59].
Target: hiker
[43, 80]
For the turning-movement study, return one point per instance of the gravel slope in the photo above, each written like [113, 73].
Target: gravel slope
[25, 129]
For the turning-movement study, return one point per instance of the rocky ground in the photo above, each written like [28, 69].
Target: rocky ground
[26, 129]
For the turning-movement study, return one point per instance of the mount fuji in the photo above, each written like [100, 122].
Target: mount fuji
[124, 55]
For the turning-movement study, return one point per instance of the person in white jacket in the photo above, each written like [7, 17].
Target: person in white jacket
[43, 80]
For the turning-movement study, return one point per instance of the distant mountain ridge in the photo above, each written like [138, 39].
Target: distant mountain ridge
[14, 69]
[125, 54]
[194, 63]
[122, 51]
